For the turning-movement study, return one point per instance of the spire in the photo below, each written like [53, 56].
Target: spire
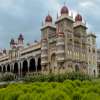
[42, 23]
[71, 14]
[64, 3]
[57, 15]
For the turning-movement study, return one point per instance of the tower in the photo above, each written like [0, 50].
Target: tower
[20, 41]
[80, 44]
[12, 44]
[64, 24]
[48, 36]
[60, 47]
[92, 54]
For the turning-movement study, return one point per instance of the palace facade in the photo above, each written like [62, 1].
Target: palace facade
[65, 46]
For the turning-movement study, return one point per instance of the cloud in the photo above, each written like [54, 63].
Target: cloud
[25, 16]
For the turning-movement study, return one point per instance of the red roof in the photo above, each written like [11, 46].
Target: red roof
[48, 18]
[64, 10]
[78, 18]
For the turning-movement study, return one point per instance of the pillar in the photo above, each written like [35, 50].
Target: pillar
[6, 67]
[36, 63]
[21, 67]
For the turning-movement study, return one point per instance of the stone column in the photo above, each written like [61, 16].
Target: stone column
[12, 67]
[21, 67]
[36, 63]
[6, 68]
[2, 68]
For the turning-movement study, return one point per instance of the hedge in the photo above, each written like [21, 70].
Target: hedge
[67, 90]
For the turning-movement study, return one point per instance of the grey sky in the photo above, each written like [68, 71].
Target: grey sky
[25, 16]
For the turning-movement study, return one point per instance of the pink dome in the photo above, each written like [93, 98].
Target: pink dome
[64, 10]
[48, 18]
[20, 37]
[78, 18]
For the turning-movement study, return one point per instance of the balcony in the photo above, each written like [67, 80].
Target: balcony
[44, 48]
[60, 59]
[44, 55]
[59, 43]
[44, 62]
[60, 51]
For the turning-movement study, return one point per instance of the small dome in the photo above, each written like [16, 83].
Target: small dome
[4, 51]
[78, 18]
[12, 42]
[48, 18]
[20, 37]
[64, 10]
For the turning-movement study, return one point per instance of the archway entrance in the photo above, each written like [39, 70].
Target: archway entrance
[25, 68]
[39, 64]
[32, 67]
[94, 73]
[76, 68]
[0, 69]
[4, 69]
[8, 68]
[16, 68]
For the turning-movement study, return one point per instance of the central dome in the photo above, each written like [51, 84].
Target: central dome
[64, 10]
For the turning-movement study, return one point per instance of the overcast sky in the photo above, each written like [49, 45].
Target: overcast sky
[25, 16]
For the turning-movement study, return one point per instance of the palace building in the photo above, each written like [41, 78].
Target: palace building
[65, 46]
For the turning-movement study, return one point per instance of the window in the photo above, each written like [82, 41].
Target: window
[93, 50]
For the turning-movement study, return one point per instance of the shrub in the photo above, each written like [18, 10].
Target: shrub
[91, 96]
[8, 76]
[57, 78]
[76, 96]
[55, 95]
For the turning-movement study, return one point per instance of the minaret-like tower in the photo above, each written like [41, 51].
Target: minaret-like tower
[12, 44]
[64, 24]
[13, 51]
[47, 39]
[92, 54]
[80, 44]
[60, 45]
[20, 41]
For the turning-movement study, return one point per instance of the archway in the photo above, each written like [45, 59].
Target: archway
[8, 68]
[53, 60]
[0, 69]
[4, 69]
[94, 73]
[25, 68]
[76, 68]
[32, 67]
[16, 68]
[39, 64]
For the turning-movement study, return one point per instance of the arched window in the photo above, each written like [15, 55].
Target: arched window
[39, 64]
[32, 67]
[94, 73]
[16, 68]
[25, 67]
[76, 68]
[8, 68]
[4, 69]
[0, 69]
